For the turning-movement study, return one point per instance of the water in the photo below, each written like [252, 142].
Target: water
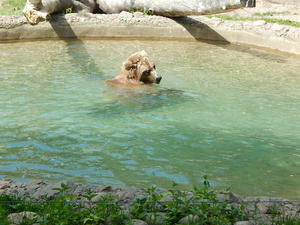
[228, 112]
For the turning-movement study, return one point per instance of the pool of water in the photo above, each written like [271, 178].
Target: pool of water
[225, 111]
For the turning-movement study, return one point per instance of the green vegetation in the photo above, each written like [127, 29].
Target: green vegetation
[270, 13]
[11, 7]
[144, 11]
[203, 204]
[268, 20]
[68, 10]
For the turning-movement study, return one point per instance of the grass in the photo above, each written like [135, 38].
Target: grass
[11, 7]
[63, 211]
[268, 20]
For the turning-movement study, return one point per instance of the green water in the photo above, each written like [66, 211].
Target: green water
[229, 112]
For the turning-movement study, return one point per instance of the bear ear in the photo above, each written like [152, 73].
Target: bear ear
[130, 66]
[143, 53]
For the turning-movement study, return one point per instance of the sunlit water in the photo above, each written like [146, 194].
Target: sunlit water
[229, 112]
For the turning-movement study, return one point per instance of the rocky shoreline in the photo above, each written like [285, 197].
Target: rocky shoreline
[36, 190]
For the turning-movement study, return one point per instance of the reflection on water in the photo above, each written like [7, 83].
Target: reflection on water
[122, 100]
[228, 112]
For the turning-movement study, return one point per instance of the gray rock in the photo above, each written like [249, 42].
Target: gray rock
[138, 14]
[106, 188]
[125, 195]
[167, 198]
[126, 14]
[138, 222]
[277, 27]
[242, 223]
[263, 207]
[17, 218]
[155, 218]
[98, 197]
[190, 219]
[49, 189]
[234, 197]
[259, 23]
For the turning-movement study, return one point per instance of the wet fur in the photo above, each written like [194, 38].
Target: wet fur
[138, 69]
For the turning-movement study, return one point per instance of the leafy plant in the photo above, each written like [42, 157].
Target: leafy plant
[68, 10]
[201, 203]
[144, 11]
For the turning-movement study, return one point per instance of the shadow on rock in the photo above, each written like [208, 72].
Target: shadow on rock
[200, 31]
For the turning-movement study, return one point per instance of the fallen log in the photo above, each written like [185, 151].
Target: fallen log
[38, 10]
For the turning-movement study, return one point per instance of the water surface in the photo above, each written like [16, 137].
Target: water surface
[225, 111]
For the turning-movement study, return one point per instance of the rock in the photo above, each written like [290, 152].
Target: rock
[155, 218]
[138, 14]
[106, 188]
[4, 186]
[138, 222]
[234, 197]
[263, 207]
[35, 182]
[291, 210]
[50, 191]
[259, 23]
[277, 27]
[190, 219]
[242, 223]
[126, 14]
[98, 197]
[167, 198]
[8, 180]
[17, 218]
[124, 195]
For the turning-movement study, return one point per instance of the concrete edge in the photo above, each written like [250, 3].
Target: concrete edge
[186, 28]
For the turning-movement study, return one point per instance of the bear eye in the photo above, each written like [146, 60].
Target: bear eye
[146, 72]
[154, 67]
